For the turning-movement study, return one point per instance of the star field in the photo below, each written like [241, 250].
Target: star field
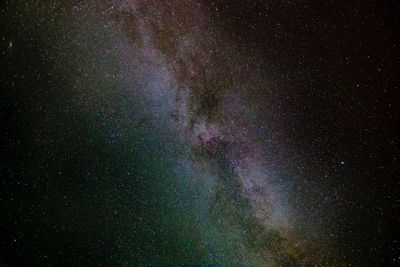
[199, 133]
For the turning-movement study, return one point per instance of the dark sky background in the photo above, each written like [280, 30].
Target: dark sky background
[335, 70]
[337, 66]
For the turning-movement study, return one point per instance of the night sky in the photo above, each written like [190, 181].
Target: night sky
[199, 133]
